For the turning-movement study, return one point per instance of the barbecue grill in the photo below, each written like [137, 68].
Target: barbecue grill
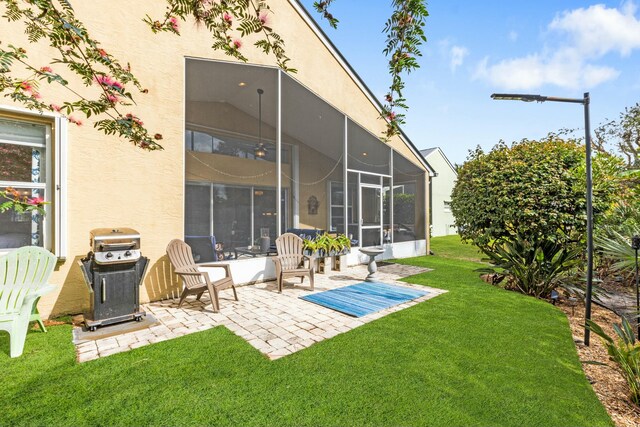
[113, 272]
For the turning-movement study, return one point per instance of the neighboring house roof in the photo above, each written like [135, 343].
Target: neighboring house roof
[429, 151]
[299, 7]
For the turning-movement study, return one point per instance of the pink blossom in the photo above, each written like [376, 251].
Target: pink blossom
[112, 98]
[35, 201]
[46, 70]
[26, 86]
[75, 121]
[134, 119]
[102, 53]
[237, 44]
[55, 107]
[391, 115]
[263, 17]
[108, 81]
[227, 18]
[36, 95]
[173, 21]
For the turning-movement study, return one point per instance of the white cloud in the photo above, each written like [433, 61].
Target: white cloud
[452, 53]
[598, 30]
[585, 35]
[457, 54]
[562, 69]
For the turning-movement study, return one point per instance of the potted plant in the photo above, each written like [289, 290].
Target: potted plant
[326, 245]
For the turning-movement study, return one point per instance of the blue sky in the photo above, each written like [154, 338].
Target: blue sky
[555, 48]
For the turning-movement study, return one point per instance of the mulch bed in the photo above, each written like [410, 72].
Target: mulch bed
[607, 381]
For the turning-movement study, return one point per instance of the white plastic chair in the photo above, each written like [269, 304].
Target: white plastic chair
[24, 274]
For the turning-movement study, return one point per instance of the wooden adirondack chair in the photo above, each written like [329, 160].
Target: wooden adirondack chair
[196, 282]
[291, 259]
[24, 274]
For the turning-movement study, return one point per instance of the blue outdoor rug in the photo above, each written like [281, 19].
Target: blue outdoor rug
[364, 298]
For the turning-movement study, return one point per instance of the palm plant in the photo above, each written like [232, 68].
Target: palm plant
[625, 351]
[615, 244]
[534, 267]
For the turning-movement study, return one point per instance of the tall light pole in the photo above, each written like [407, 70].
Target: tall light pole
[587, 137]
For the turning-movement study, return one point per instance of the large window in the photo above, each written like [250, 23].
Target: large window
[237, 216]
[24, 166]
[408, 200]
[330, 173]
[315, 132]
[366, 152]
[230, 143]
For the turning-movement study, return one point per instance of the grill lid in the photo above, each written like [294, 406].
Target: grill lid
[115, 245]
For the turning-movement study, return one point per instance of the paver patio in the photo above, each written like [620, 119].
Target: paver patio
[275, 324]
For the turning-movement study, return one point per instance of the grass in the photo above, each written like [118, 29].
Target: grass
[450, 247]
[475, 356]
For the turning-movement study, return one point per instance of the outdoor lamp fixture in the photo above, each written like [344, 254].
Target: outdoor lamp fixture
[260, 151]
[587, 135]
[635, 245]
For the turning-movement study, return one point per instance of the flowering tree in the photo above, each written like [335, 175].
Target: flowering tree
[229, 23]
[11, 199]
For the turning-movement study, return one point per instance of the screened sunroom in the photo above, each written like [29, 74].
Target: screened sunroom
[264, 154]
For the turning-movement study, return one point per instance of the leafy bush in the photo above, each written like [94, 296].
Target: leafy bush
[535, 189]
[534, 267]
[625, 351]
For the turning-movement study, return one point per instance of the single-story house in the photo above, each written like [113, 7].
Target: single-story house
[249, 152]
[442, 220]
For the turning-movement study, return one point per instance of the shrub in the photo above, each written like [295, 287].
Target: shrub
[625, 351]
[534, 267]
[535, 189]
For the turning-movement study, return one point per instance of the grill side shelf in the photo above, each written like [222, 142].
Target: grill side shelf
[85, 267]
[141, 267]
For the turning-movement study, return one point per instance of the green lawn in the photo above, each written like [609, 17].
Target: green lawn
[477, 355]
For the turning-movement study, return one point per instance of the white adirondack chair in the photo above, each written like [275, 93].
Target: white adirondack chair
[24, 274]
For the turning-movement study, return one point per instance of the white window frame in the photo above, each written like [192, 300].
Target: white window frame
[55, 185]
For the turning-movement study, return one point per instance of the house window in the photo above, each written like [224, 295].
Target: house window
[447, 206]
[25, 159]
[336, 208]
[236, 215]
[32, 161]
[206, 141]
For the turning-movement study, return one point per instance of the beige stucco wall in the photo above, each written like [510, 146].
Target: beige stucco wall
[110, 183]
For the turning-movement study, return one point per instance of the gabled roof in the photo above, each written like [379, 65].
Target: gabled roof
[304, 13]
[429, 151]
